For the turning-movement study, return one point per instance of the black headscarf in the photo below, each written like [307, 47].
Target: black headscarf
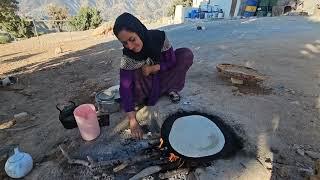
[152, 39]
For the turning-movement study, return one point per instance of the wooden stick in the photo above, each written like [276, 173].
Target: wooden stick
[22, 128]
[134, 160]
[74, 161]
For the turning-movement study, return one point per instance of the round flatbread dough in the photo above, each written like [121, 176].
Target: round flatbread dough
[196, 136]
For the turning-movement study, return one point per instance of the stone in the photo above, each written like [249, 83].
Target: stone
[236, 81]
[58, 50]
[268, 160]
[104, 29]
[234, 89]
[21, 116]
[313, 155]
[13, 107]
[295, 102]
[93, 94]
[96, 177]
[305, 172]
[8, 124]
[283, 172]
[274, 150]
[300, 152]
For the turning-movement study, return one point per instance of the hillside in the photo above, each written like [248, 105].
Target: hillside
[148, 9]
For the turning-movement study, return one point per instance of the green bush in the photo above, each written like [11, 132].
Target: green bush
[5, 38]
[16, 26]
[87, 18]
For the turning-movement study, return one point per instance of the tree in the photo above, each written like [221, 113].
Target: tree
[172, 8]
[58, 14]
[11, 23]
[87, 18]
[6, 7]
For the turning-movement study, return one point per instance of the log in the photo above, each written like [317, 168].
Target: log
[146, 172]
[134, 160]
[74, 161]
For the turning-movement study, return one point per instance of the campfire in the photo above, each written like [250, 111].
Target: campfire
[162, 157]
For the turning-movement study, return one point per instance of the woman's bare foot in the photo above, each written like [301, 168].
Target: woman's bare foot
[136, 131]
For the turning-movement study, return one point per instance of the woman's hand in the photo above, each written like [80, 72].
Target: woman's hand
[147, 70]
[135, 127]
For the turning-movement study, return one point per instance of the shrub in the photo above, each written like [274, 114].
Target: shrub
[87, 18]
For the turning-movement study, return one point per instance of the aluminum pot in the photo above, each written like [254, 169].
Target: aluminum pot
[106, 103]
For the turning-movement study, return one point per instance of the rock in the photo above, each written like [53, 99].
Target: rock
[13, 107]
[96, 177]
[191, 176]
[304, 172]
[236, 81]
[58, 50]
[300, 152]
[268, 160]
[93, 94]
[295, 102]
[8, 124]
[234, 89]
[274, 150]
[283, 172]
[21, 116]
[104, 29]
[313, 155]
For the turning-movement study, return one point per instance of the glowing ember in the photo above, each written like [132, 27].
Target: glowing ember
[173, 157]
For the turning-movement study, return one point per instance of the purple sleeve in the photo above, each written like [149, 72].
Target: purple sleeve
[126, 90]
[168, 60]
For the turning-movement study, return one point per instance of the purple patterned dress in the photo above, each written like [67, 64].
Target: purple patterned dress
[135, 88]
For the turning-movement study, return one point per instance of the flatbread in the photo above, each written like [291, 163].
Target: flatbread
[196, 136]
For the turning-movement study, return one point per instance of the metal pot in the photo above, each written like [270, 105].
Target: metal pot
[106, 103]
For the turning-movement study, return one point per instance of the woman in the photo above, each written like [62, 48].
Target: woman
[149, 67]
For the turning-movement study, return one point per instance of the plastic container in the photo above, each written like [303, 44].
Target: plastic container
[251, 8]
[87, 121]
[19, 164]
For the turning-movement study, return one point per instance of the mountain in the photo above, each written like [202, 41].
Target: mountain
[110, 9]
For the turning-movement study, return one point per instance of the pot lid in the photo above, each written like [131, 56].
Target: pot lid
[196, 136]
[17, 156]
[104, 96]
[114, 91]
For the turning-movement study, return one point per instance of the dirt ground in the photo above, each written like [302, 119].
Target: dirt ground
[279, 121]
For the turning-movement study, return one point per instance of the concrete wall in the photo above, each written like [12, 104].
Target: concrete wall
[179, 14]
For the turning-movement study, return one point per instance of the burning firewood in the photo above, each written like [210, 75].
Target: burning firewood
[134, 160]
[173, 157]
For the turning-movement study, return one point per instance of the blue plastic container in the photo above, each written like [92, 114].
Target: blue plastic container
[251, 8]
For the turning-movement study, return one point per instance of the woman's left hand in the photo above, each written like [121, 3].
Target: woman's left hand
[147, 70]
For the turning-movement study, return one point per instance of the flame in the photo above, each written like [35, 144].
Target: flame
[161, 143]
[173, 157]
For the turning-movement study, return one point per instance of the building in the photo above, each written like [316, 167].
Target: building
[229, 7]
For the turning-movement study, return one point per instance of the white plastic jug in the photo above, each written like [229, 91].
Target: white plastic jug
[86, 118]
[19, 164]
